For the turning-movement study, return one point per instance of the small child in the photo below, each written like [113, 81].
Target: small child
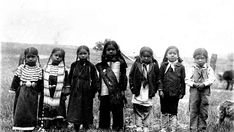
[26, 84]
[112, 73]
[52, 101]
[84, 84]
[144, 81]
[200, 78]
[172, 76]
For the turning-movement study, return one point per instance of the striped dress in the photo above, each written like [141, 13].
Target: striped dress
[27, 83]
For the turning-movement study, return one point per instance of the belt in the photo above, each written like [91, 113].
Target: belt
[28, 84]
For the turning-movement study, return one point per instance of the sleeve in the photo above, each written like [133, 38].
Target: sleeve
[70, 75]
[158, 82]
[183, 86]
[161, 76]
[188, 79]
[131, 76]
[95, 84]
[211, 77]
[123, 77]
[15, 84]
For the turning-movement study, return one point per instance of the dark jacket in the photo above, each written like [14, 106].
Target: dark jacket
[173, 82]
[136, 77]
[115, 87]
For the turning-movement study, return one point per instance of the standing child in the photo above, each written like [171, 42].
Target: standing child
[200, 79]
[143, 80]
[172, 76]
[112, 73]
[84, 82]
[53, 109]
[27, 83]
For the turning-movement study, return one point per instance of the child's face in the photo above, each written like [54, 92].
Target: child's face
[146, 57]
[30, 59]
[83, 54]
[172, 55]
[200, 60]
[56, 57]
[111, 51]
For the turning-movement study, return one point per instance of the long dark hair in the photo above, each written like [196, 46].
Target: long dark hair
[55, 50]
[82, 47]
[118, 52]
[165, 59]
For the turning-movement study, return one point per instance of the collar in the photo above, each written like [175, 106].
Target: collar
[172, 65]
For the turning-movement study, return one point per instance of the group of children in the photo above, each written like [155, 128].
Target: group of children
[55, 82]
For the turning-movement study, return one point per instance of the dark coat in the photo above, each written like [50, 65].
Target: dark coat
[173, 82]
[136, 77]
[116, 87]
[84, 84]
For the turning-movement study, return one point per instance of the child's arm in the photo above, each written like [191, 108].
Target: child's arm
[188, 79]
[71, 74]
[211, 77]
[66, 85]
[157, 72]
[161, 77]
[183, 82]
[131, 77]
[16, 80]
[15, 84]
[123, 78]
[95, 84]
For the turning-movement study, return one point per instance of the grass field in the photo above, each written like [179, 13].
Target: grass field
[9, 62]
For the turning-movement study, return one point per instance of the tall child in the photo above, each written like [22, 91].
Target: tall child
[200, 78]
[84, 84]
[172, 76]
[55, 78]
[112, 73]
[144, 82]
[26, 84]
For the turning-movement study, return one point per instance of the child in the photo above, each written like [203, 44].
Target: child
[26, 84]
[84, 84]
[200, 79]
[172, 76]
[53, 112]
[112, 73]
[143, 80]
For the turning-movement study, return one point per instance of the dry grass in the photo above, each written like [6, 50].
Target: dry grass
[10, 62]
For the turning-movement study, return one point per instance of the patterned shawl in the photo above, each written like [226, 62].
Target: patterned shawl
[58, 71]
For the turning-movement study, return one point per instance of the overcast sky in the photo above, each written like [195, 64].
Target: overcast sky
[131, 23]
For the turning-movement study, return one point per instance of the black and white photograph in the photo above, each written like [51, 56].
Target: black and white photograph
[117, 66]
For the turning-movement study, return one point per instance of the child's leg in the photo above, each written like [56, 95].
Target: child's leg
[117, 112]
[164, 102]
[77, 127]
[173, 105]
[138, 117]
[164, 122]
[173, 122]
[104, 115]
[146, 118]
[204, 106]
[194, 102]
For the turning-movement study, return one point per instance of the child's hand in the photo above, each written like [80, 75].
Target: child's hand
[161, 94]
[181, 96]
[201, 86]
[196, 85]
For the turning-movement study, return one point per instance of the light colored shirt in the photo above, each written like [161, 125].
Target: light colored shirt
[115, 66]
[189, 80]
[143, 98]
